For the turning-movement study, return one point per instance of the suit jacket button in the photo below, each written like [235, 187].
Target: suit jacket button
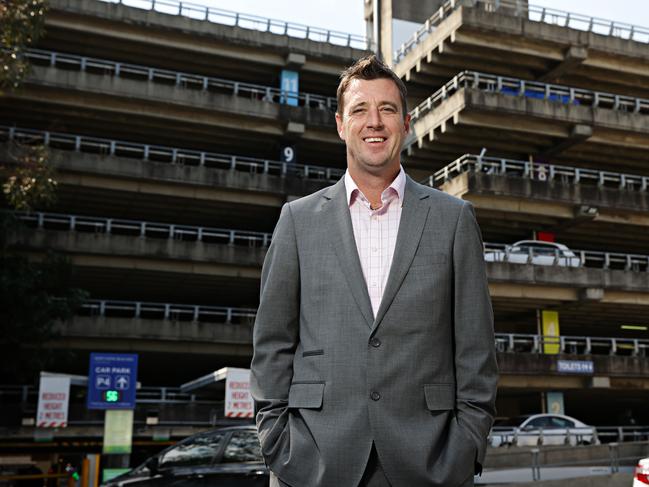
[375, 342]
[375, 396]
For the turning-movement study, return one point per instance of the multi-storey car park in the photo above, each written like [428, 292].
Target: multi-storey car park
[166, 126]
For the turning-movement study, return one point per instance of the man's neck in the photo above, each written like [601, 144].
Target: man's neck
[373, 185]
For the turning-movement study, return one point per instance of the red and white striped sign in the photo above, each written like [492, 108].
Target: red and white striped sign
[53, 398]
[238, 402]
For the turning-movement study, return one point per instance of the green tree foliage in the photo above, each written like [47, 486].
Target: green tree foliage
[21, 24]
[34, 297]
[28, 178]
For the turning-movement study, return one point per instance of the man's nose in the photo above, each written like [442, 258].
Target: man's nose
[374, 118]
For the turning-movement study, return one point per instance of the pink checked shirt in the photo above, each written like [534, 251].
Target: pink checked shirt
[375, 232]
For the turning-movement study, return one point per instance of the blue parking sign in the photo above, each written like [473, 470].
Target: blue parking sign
[112, 381]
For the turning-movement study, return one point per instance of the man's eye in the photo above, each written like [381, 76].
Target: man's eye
[389, 109]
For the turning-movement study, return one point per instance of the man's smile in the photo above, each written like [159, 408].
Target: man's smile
[375, 140]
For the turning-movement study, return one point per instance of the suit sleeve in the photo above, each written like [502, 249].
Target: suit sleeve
[475, 358]
[275, 338]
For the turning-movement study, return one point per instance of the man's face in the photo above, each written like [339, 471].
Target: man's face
[372, 125]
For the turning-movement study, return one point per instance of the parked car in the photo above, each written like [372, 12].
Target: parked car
[227, 457]
[545, 429]
[534, 252]
[641, 477]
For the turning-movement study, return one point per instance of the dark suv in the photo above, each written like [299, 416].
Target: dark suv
[225, 457]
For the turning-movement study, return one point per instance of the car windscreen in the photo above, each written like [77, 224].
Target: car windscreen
[197, 451]
[243, 446]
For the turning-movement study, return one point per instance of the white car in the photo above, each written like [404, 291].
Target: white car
[542, 429]
[641, 477]
[534, 252]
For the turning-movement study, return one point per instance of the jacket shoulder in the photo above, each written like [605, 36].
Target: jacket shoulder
[440, 198]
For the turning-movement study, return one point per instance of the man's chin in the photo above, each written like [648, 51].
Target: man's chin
[378, 168]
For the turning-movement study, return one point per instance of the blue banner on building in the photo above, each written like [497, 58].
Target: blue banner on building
[289, 84]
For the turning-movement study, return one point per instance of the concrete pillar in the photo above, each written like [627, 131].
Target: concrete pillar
[394, 19]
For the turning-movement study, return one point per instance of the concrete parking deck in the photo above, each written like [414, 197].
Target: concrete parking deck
[142, 35]
[512, 44]
[463, 117]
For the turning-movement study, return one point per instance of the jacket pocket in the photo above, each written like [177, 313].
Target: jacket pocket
[439, 397]
[306, 395]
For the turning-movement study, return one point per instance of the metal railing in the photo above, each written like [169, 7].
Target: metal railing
[508, 436]
[136, 228]
[170, 155]
[504, 342]
[494, 252]
[537, 171]
[530, 89]
[577, 345]
[177, 78]
[245, 21]
[150, 395]
[531, 12]
[168, 311]
[497, 252]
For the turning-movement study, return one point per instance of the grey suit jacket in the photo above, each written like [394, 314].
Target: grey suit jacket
[329, 379]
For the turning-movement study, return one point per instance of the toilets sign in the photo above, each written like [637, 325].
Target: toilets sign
[112, 381]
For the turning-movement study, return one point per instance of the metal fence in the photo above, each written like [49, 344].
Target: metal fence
[497, 252]
[531, 12]
[136, 228]
[169, 155]
[577, 345]
[246, 21]
[177, 78]
[537, 171]
[145, 395]
[530, 89]
[168, 311]
[494, 252]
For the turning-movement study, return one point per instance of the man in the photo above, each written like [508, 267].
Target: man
[374, 358]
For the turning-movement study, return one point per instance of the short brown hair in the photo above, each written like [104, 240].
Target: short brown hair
[369, 68]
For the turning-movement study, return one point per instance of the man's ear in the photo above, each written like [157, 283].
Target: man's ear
[339, 126]
[406, 123]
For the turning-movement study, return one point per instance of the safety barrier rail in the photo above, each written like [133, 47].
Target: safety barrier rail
[151, 395]
[136, 228]
[531, 12]
[578, 345]
[165, 154]
[246, 21]
[505, 342]
[168, 311]
[494, 252]
[529, 254]
[530, 89]
[537, 171]
[177, 78]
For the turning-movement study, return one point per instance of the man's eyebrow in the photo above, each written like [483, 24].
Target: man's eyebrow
[390, 103]
[358, 104]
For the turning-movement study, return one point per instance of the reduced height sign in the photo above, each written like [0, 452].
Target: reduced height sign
[112, 381]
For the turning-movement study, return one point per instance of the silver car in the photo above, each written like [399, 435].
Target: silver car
[534, 252]
[542, 429]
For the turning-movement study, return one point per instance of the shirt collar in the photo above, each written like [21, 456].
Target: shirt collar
[398, 185]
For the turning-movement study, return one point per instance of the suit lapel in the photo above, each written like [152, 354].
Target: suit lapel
[342, 235]
[413, 218]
